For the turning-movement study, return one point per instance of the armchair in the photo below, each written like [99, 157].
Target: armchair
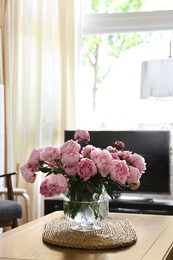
[10, 210]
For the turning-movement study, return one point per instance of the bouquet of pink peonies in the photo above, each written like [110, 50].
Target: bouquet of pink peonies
[80, 172]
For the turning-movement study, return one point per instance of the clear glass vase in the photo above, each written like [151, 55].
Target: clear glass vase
[87, 215]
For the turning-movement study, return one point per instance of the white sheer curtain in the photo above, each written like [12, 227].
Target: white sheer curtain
[1, 114]
[40, 63]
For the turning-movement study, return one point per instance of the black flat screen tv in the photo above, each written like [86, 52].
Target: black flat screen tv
[154, 146]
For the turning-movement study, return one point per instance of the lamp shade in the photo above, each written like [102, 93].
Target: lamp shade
[157, 78]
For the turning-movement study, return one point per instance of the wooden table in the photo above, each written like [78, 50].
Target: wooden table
[155, 241]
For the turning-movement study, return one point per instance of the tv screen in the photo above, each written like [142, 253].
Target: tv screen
[154, 146]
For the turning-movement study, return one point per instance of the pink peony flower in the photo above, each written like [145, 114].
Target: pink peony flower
[49, 154]
[45, 189]
[67, 168]
[34, 158]
[87, 150]
[138, 161]
[111, 149]
[71, 170]
[82, 135]
[95, 154]
[119, 171]
[102, 159]
[125, 155]
[54, 185]
[70, 146]
[134, 175]
[70, 159]
[86, 169]
[119, 145]
[135, 186]
[115, 155]
[27, 173]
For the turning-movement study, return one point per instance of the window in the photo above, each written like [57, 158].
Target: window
[114, 6]
[113, 48]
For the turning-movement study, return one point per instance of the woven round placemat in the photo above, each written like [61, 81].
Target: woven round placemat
[114, 233]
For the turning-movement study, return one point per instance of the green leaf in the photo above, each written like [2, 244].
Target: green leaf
[43, 169]
[108, 190]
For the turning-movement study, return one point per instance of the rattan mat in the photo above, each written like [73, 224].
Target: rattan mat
[114, 233]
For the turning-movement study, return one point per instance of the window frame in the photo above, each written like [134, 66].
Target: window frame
[127, 22]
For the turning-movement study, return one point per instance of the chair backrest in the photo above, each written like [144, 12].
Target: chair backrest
[10, 210]
[10, 195]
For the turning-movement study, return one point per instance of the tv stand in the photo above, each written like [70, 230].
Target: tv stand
[132, 198]
[141, 205]
[126, 204]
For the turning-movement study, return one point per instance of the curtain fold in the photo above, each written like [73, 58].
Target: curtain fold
[39, 67]
[2, 136]
[1, 74]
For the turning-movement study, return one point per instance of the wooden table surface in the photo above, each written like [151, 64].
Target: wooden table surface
[155, 241]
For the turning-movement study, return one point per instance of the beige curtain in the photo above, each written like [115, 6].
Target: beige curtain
[40, 61]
